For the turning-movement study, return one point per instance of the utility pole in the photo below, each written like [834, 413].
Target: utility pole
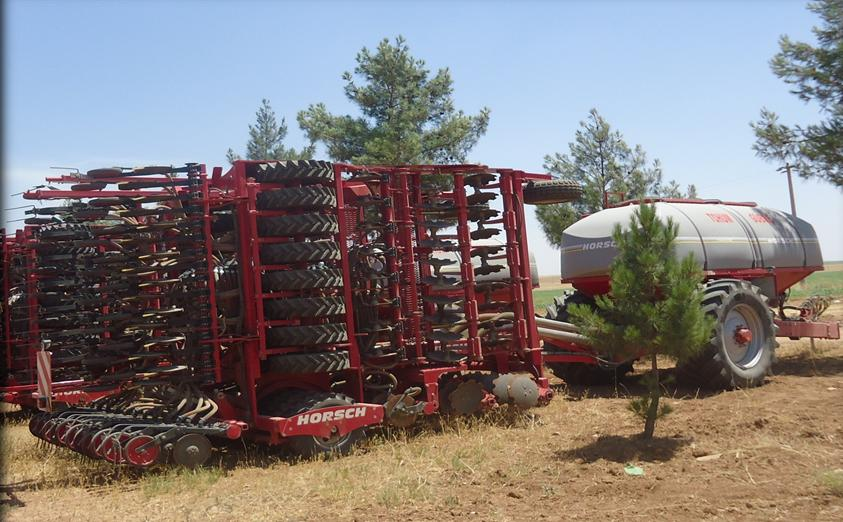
[786, 168]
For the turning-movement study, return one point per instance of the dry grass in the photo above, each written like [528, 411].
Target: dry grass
[507, 465]
[774, 445]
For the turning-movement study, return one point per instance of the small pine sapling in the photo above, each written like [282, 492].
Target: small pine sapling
[654, 306]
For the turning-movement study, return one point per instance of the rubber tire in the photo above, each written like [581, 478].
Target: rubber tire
[312, 251]
[296, 197]
[304, 224]
[552, 191]
[293, 402]
[293, 170]
[317, 362]
[65, 232]
[56, 249]
[581, 374]
[309, 335]
[302, 279]
[303, 307]
[711, 368]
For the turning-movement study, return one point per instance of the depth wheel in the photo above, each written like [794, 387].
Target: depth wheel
[191, 450]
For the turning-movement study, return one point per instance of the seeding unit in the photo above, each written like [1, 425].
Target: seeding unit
[159, 308]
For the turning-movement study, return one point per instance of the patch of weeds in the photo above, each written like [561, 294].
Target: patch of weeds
[178, 480]
[451, 501]
[833, 481]
[403, 488]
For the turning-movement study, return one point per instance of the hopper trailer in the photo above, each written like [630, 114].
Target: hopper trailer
[750, 256]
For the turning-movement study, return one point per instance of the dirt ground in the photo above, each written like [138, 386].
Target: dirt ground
[770, 453]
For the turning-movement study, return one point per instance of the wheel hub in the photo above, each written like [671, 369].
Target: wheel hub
[743, 336]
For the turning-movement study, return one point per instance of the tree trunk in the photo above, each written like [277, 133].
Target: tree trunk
[654, 391]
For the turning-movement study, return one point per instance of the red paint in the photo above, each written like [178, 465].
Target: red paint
[719, 218]
[743, 336]
[810, 329]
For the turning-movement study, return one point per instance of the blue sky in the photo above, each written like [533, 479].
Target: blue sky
[91, 84]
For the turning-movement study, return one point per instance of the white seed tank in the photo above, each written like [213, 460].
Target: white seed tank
[722, 236]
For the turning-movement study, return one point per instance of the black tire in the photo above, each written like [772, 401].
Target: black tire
[297, 197]
[719, 364]
[312, 251]
[303, 307]
[581, 374]
[293, 402]
[293, 170]
[558, 310]
[318, 362]
[66, 233]
[54, 249]
[305, 224]
[309, 335]
[551, 192]
[302, 279]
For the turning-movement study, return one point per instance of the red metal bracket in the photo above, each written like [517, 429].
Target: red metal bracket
[324, 422]
[812, 329]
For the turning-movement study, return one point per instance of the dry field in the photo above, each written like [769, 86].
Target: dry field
[771, 453]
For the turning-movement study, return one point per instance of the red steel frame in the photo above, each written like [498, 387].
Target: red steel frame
[244, 352]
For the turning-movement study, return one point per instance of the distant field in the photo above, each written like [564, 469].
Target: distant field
[828, 282]
[834, 266]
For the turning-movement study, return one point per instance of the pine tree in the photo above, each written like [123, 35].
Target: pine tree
[406, 116]
[816, 75]
[266, 139]
[692, 192]
[654, 306]
[606, 167]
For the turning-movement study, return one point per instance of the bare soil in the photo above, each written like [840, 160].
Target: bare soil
[769, 453]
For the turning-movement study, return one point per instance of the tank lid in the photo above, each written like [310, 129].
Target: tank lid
[627, 202]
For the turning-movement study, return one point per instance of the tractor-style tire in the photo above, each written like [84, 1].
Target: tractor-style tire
[311, 251]
[581, 374]
[297, 197]
[294, 170]
[317, 362]
[558, 309]
[293, 402]
[309, 335]
[304, 224]
[552, 191]
[302, 279]
[303, 307]
[725, 362]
